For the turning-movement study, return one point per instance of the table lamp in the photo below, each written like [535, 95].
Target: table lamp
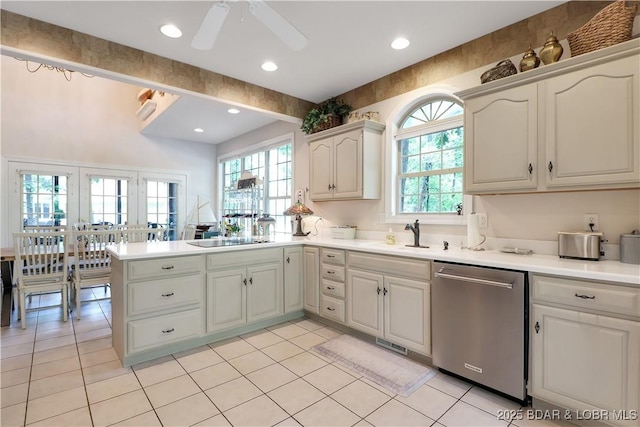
[298, 209]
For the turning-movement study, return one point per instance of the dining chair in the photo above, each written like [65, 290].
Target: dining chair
[91, 262]
[189, 232]
[133, 235]
[41, 266]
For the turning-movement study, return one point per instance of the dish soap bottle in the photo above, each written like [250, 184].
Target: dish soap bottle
[391, 238]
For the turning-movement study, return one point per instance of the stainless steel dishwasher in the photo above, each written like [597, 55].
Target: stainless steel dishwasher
[479, 325]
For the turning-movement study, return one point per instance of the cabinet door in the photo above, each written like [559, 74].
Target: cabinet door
[585, 361]
[321, 169]
[501, 139]
[264, 291]
[407, 313]
[311, 279]
[293, 277]
[347, 162]
[226, 299]
[592, 134]
[364, 300]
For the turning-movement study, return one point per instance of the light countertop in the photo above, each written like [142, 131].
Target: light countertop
[606, 270]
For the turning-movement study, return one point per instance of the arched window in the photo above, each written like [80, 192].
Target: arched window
[430, 158]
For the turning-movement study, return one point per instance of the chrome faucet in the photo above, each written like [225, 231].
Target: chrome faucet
[415, 228]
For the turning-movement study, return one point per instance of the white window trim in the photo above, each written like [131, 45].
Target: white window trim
[85, 189]
[77, 173]
[391, 165]
[288, 138]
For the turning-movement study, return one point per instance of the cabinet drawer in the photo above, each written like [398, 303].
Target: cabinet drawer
[162, 330]
[397, 266]
[225, 260]
[332, 272]
[332, 308]
[160, 294]
[597, 296]
[334, 256]
[163, 267]
[333, 289]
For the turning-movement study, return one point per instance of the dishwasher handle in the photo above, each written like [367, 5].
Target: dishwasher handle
[476, 280]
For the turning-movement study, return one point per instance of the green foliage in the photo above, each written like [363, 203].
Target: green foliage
[320, 114]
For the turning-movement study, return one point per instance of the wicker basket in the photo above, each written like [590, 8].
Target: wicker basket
[332, 122]
[610, 26]
[502, 69]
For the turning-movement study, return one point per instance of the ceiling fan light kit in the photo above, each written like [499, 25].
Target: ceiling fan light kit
[206, 36]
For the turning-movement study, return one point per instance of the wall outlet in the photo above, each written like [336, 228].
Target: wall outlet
[591, 219]
[483, 221]
[300, 194]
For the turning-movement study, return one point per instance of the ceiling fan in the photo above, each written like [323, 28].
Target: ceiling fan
[283, 29]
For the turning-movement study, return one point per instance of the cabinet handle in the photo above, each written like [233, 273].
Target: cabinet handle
[329, 187]
[168, 294]
[244, 281]
[331, 272]
[330, 288]
[550, 166]
[330, 256]
[537, 327]
[288, 260]
[384, 291]
[168, 331]
[585, 296]
[251, 280]
[331, 309]
[378, 289]
[333, 187]
[530, 169]
[168, 267]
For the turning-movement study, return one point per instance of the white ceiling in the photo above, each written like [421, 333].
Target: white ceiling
[348, 41]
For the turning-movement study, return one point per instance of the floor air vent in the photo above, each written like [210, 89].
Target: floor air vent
[391, 346]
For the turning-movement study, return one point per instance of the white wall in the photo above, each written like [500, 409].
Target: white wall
[89, 121]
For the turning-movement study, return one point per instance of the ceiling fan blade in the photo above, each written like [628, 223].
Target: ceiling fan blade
[286, 32]
[210, 27]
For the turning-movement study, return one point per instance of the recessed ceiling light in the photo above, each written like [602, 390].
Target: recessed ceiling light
[199, 130]
[400, 43]
[233, 111]
[269, 66]
[171, 30]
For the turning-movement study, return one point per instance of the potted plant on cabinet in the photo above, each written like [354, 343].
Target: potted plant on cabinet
[326, 115]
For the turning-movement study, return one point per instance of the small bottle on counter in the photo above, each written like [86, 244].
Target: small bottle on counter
[391, 238]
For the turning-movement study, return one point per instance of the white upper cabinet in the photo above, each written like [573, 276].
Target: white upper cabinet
[501, 140]
[592, 125]
[571, 125]
[345, 162]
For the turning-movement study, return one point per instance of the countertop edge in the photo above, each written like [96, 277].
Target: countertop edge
[605, 270]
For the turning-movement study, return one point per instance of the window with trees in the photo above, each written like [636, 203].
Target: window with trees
[430, 158]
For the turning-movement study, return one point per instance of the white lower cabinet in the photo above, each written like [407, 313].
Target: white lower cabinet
[311, 279]
[239, 295]
[293, 279]
[582, 360]
[389, 306]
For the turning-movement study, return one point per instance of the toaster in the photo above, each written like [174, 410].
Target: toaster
[580, 244]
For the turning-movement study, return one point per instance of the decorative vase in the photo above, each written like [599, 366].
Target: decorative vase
[529, 61]
[551, 51]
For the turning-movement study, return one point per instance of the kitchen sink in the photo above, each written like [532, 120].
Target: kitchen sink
[233, 241]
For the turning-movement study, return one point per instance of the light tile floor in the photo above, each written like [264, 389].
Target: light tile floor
[67, 374]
